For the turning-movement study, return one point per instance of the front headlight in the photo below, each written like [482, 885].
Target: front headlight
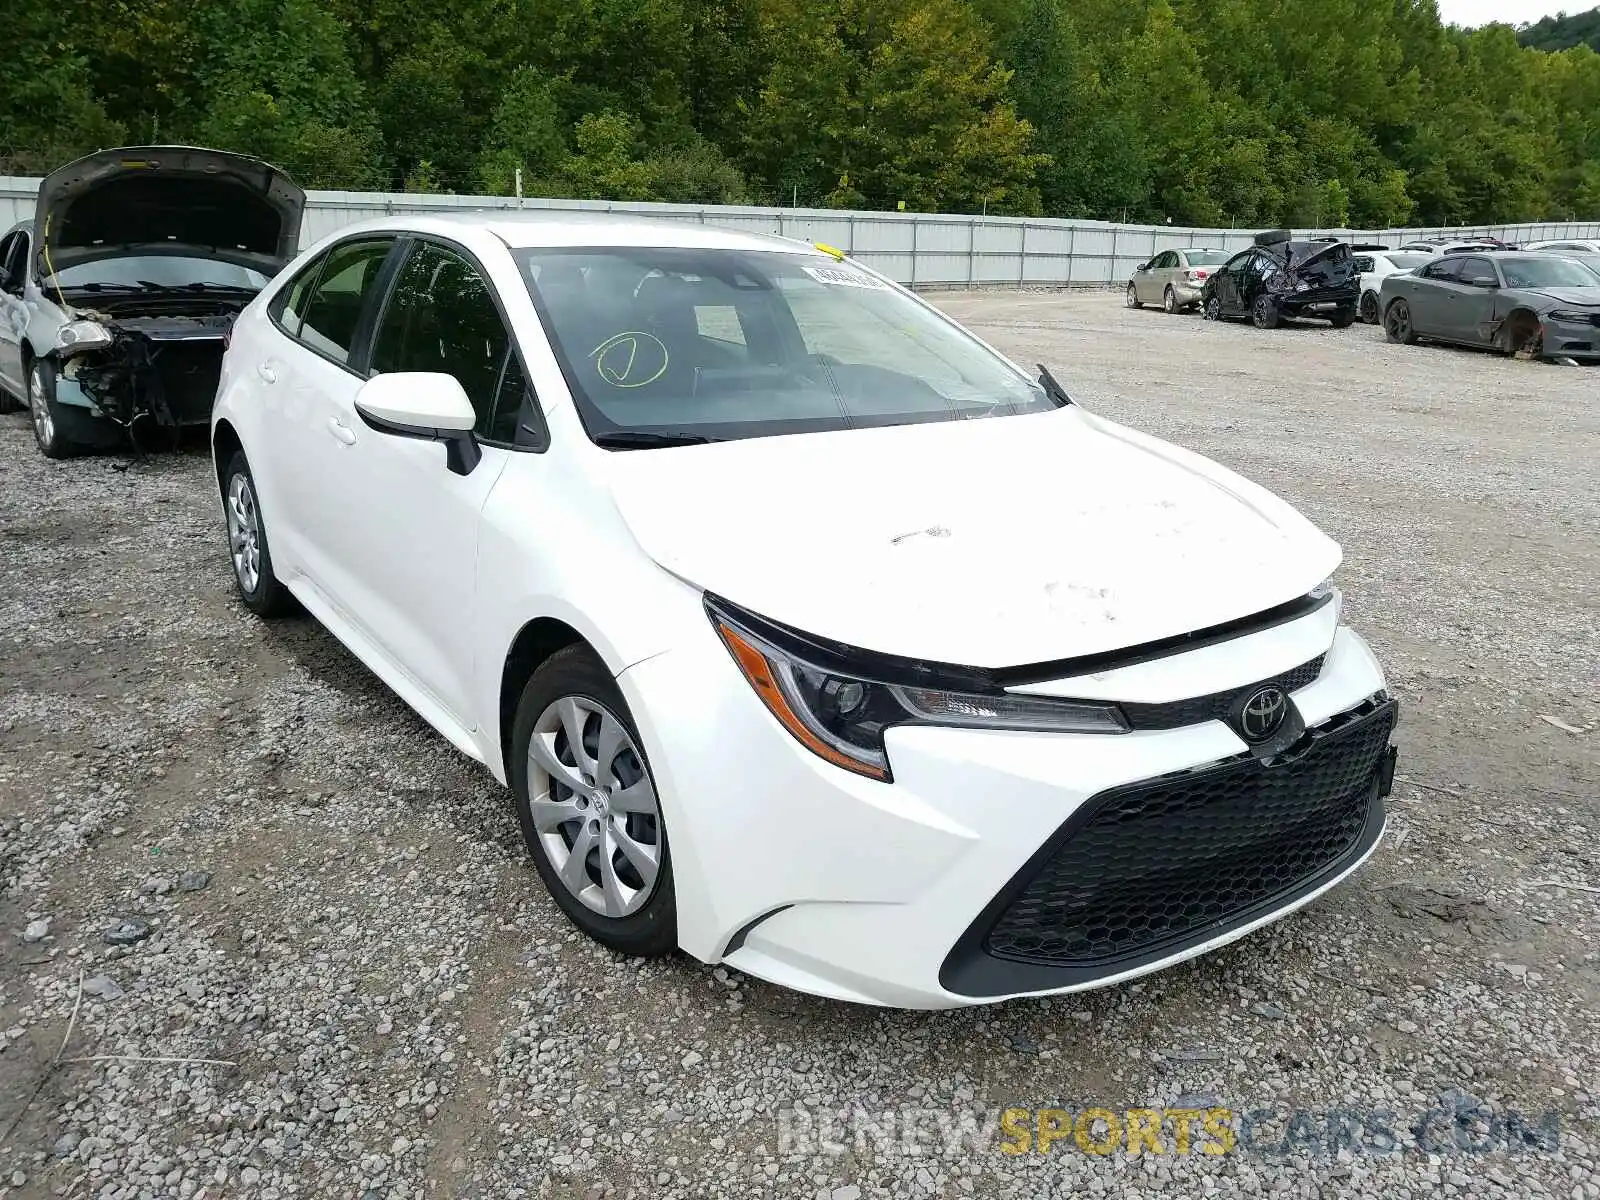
[1568, 314]
[76, 336]
[840, 716]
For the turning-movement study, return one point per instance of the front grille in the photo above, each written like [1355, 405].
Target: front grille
[1175, 714]
[1185, 856]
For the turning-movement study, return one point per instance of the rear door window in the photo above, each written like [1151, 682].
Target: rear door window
[330, 312]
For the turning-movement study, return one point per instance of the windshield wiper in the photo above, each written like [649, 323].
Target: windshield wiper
[209, 287]
[1053, 389]
[649, 439]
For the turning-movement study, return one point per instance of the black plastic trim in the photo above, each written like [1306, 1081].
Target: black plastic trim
[736, 942]
[969, 970]
[829, 655]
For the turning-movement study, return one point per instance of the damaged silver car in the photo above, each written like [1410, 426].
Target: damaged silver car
[117, 298]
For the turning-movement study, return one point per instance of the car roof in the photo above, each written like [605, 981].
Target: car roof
[520, 229]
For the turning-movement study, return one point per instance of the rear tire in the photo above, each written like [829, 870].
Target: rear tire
[1132, 299]
[587, 805]
[1264, 313]
[44, 410]
[1169, 301]
[253, 576]
[1343, 318]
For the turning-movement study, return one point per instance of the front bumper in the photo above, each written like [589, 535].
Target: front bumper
[802, 874]
[1572, 339]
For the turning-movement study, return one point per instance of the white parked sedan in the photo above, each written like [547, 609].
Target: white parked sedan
[812, 635]
[1375, 267]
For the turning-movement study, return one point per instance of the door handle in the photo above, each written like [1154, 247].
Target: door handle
[341, 431]
[267, 373]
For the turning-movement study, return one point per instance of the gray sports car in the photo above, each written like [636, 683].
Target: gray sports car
[1535, 305]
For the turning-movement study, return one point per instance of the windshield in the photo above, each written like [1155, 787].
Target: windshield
[1206, 258]
[1545, 272]
[1410, 261]
[165, 270]
[721, 344]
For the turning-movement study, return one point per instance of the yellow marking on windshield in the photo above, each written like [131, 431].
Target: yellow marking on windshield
[613, 369]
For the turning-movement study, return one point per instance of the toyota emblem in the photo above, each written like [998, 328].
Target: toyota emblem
[1262, 713]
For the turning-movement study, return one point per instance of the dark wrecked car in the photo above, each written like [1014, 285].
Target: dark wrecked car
[117, 298]
[1279, 277]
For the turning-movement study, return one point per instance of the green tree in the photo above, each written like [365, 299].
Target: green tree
[901, 96]
[524, 134]
[47, 110]
[276, 82]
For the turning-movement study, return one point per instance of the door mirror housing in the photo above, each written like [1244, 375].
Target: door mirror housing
[428, 405]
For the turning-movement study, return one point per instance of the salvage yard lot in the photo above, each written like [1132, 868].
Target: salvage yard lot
[409, 1015]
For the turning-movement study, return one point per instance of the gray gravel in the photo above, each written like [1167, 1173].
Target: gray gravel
[224, 840]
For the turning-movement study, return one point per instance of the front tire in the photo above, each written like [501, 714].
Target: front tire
[1264, 313]
[587, 805]
[1369, 307]
[253, 576]
[44, 410]
[1397, 326]
[1132, 299]
[1212, 309]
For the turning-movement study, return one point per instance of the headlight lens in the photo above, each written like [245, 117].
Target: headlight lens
[82, 335]
[1568, 314]
[842, 717]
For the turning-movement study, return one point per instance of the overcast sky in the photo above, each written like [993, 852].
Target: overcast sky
[1512, 12]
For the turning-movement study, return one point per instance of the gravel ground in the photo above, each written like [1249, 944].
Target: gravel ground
[225, 840]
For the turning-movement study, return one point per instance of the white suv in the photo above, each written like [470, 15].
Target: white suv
[812, 635]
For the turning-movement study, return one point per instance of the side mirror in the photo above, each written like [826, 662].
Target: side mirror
[427, 405]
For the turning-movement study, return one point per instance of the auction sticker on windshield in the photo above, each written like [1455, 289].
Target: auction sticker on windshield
[844, 277]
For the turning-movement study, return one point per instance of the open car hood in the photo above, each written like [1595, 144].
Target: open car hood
[168, 200]
[988, 543]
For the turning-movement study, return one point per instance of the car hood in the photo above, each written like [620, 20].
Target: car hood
[1588, 297]
[987, 543]
[168, 200]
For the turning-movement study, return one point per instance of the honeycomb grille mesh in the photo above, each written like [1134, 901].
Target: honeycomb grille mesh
[1177, 713]
[1163, 860]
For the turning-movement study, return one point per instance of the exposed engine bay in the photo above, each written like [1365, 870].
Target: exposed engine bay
[157, 362]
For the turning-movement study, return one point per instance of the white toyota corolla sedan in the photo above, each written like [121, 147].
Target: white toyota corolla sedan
[813, 636]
